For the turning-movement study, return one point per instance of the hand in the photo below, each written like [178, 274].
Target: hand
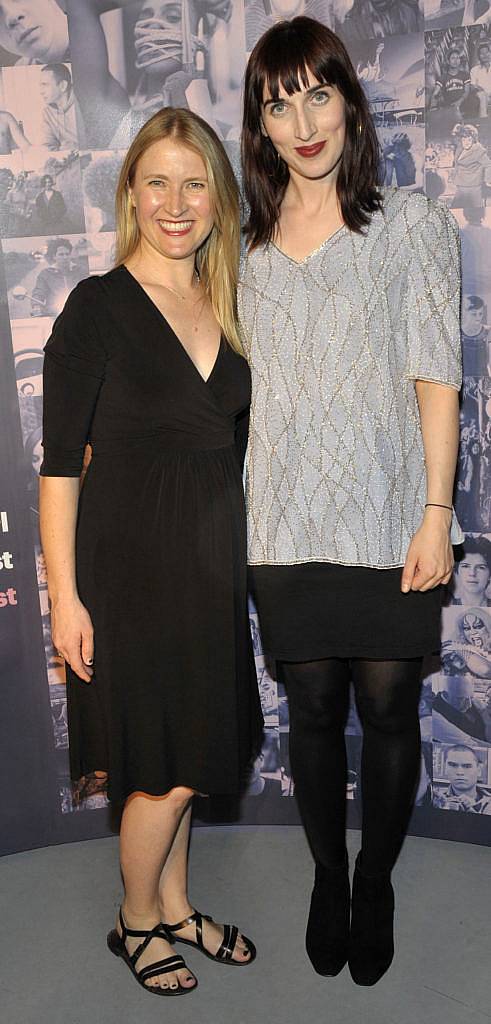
[73, 635]
[430, 558]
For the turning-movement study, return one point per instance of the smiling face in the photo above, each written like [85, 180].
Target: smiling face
[171, 197]
[307, 129]
[34, 29]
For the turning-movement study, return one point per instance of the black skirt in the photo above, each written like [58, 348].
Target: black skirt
[322, 610]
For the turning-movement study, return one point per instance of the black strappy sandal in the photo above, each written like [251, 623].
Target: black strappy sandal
[117, 945]
[225, 953]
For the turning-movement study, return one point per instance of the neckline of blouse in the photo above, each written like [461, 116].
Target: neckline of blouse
[299, 263]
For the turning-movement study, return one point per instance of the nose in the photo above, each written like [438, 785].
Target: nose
[175, 202]
[12, 14]
[304, 129]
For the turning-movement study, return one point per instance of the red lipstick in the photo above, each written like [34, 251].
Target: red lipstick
[310, 150]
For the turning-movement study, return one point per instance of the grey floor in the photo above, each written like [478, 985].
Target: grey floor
[58, 903]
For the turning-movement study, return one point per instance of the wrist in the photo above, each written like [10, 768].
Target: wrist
[438, 513]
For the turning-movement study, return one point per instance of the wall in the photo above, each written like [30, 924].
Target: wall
[426, 73]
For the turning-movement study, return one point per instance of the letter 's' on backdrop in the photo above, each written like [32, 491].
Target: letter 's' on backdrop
[73, 93]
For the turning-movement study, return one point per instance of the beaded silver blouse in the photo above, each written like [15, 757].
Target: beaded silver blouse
[335, 466]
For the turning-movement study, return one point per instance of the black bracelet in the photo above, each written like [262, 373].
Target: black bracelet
[434, 504]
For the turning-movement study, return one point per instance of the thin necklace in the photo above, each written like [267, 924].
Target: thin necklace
[183, 298]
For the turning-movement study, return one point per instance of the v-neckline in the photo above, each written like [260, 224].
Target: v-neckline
[330, 238]
[164, 319]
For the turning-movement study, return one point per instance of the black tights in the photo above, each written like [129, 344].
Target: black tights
[387, 697]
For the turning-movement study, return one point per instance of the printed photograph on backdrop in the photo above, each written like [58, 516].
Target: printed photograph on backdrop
[100, 173]
[41, 272]
[461, 711]
[447, 13]
[392, 73]
[37, 33]
[473, 488]
[461, 778]
[262, 14]
[466, 641]
[475, 235]
[357, 20]
[190, 53]
[42, 100]
[402, 157]
[476, 334]
[13, 132]
[470, 585]
[458, 74]
[40, 193]
[458, 164]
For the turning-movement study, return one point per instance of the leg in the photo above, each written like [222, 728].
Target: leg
[148, 829]
[318, 696]
[174, 901]
[387, 696]
[318, 700]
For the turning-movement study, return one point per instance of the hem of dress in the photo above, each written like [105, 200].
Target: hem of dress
[326, 561]
[375, 654]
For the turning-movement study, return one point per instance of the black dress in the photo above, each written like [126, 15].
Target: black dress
[161, 546]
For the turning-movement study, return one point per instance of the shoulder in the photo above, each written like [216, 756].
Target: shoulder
[415, 214]
[94, 288]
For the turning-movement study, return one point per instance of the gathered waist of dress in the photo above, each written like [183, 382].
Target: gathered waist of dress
[163, 441]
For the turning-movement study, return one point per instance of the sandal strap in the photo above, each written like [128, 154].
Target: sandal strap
[230, 933]
[194, 918]
[159, 931]
[170, 963]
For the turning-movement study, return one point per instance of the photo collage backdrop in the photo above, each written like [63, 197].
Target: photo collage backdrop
[78, 78]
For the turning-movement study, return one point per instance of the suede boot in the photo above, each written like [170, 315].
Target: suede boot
[372, 920]
[327, 937]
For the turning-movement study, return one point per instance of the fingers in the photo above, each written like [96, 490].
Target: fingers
[409, 571]
[77, 664]
[88, 647]
[78, 654]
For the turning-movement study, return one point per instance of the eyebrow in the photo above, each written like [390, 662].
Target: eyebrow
[308, 92]
[158, 174]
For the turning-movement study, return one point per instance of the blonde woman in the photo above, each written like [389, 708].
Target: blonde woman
[148, 591]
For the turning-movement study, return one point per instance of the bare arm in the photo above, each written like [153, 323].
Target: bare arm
[71, 626]
[430, 558]
[16, 132]
[96, 89]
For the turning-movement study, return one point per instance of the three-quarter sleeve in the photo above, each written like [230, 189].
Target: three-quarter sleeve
[432, 306]
[74, 369]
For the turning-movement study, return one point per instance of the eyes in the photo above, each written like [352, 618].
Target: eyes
[192, 186]
[317, 99]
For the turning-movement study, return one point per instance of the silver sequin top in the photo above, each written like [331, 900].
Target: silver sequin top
[335, 467]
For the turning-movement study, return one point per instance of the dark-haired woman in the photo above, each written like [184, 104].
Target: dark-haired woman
[349, 303]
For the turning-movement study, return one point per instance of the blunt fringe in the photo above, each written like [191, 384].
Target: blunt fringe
[217, 260]
[282, 57]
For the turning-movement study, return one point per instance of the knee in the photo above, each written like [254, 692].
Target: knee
[387, 715]
[179, 797]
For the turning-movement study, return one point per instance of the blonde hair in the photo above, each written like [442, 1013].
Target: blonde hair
[217, 260]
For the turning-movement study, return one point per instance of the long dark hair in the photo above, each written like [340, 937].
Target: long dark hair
[282, 56]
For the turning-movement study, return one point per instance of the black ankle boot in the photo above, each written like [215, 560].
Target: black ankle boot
[327, 938]
[372, 919]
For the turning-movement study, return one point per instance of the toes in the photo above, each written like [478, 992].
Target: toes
[186, 979]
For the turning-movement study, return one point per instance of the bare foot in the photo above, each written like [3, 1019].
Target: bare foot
[157, 949]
